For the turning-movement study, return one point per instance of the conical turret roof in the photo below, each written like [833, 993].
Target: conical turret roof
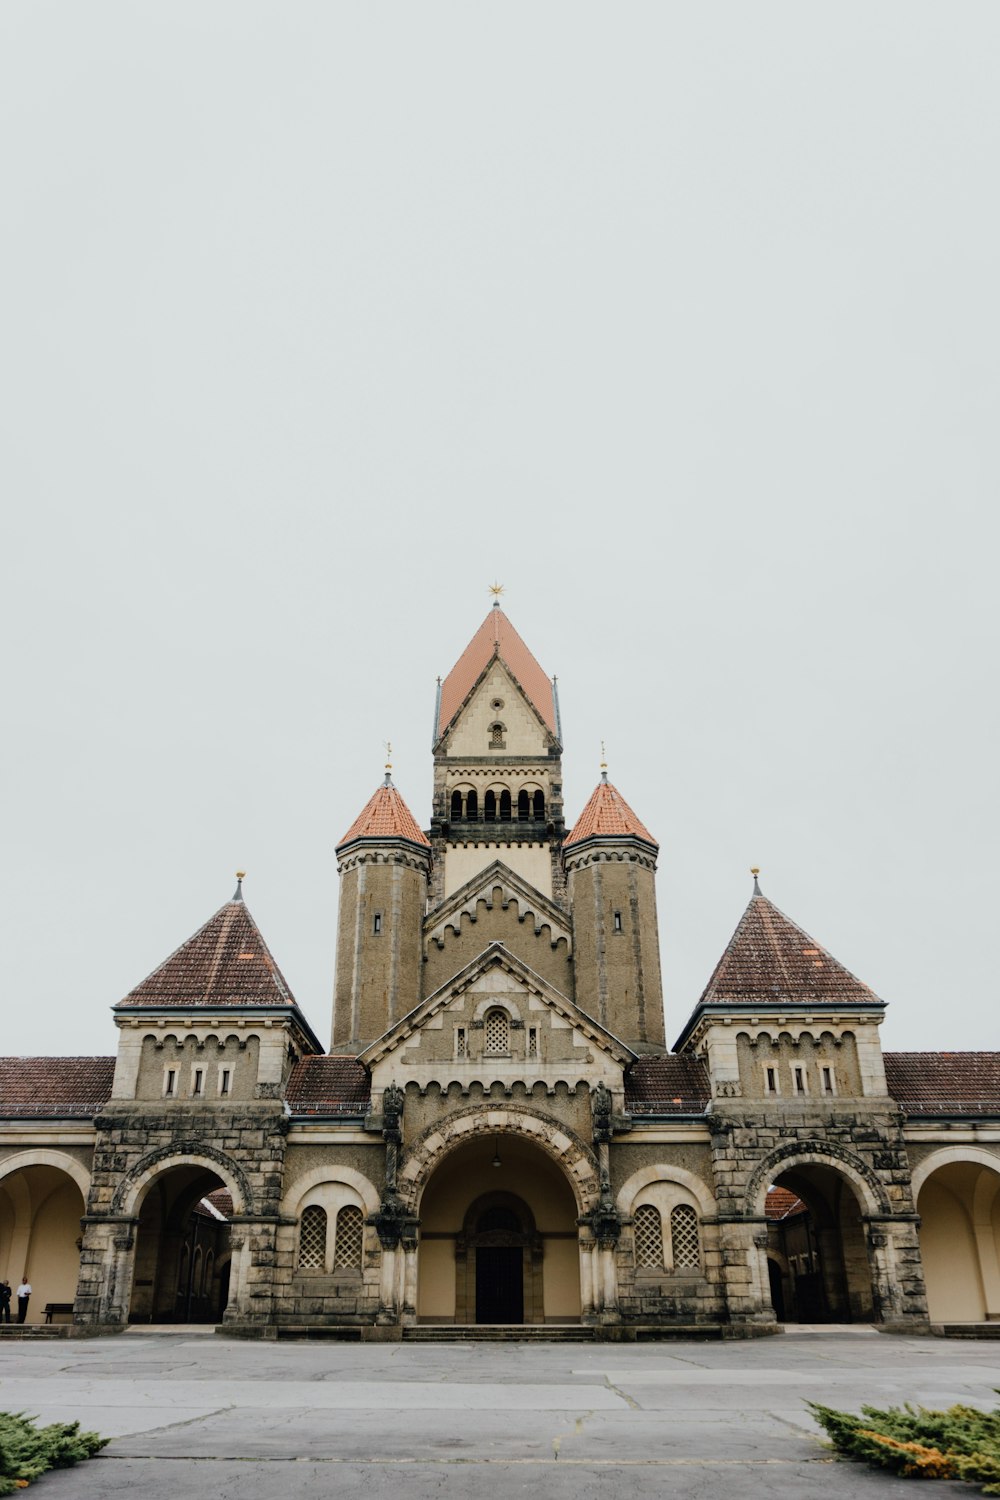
[771, 960]
[226, 963]
[385, 816]
[608, 815]
[496, 636]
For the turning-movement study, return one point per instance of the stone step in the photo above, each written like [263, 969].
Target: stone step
[535, 1333]
[36, 1330]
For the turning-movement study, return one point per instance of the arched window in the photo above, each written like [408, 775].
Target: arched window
[456, 806]
[206, 1286]
[350, 1233]
[648, 1237]
[182, 1270]
[312, 1239]
[505, 807]
[196, 1271]
[498, 1221]
[497, 1032]
[522, 805]
[684, 1238]
[490, 807]
[496, 737]
[472, 804]
[540, 806]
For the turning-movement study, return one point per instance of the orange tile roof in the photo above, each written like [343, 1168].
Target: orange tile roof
[54, 1087]
[770, 960]
[385, 816]
[496, 636]
[782, 1204]
[945, 1083]
[330, 1084]
[608, 815]
[226, 962]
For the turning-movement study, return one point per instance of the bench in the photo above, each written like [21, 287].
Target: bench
[57, 1307]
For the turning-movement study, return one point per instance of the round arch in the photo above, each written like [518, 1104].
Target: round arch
[46, 1158]
[347, 1176]
[551, 1136]
[870, 1192]
[132, 1189]
[945, 1156]
[663, 1173]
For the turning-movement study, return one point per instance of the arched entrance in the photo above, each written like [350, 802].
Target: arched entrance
[958, 1200]
[817, 1253]
[498, 1237]
[182, 1251]
[41, 1204]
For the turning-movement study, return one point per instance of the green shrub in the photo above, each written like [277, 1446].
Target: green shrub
[27, 1451]
[960, 1443]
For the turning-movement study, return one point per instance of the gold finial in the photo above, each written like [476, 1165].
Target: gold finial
[240, 877]
[388, 762]
[604, 763]
[241, 874]
[496, 589]
[755, 871]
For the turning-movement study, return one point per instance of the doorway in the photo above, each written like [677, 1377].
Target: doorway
[499, 1284]
[816, 1248]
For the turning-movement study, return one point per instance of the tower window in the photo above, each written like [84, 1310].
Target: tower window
[829, 1081]
[170, 1082]
[801, 1081]
[377, 924]
[224, 1078]
[456, 806]
[523, 805]
[505, 807]
[198, 1082]
[770, 1080]
[497, 741]
[497, 1033]
[532, 1041]
[461, 1045]
[490, 807]
[472, 804]
[539, 806]
[617, 921]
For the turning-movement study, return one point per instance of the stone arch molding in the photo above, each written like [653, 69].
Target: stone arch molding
[46, 1158]
[870, 1189]
[948, 1154]
[677, 1177]
[551, 1136]
[131, 1190]
[341, 1176]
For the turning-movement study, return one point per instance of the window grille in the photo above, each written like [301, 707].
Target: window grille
[312, 1239]
[350, 1231]
[648, 1237]
[496, 736]
[532, 1041]
[497, 1032]
[461, 1048]
[684, 1238]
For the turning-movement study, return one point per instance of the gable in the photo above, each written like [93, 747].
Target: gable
[497, 905]
[470, 732]
[448, 1039]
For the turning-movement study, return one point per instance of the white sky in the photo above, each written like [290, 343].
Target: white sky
[682, 321]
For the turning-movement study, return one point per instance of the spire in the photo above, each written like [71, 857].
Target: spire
[608, 815]
[496, 637]
[385, 816]
[238, 893]
[755, 871]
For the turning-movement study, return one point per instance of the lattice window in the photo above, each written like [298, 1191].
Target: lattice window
[648, 1237]
[312, 1239]
[350, 1231]
[684, 1238]
[532, 1041]
[497, 1032]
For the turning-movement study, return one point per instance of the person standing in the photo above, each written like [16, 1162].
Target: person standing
[23, 1293]
[5, 1301]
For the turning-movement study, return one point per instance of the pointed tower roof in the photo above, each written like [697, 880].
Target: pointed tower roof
[608, 815]
[385, 816]
[496, 636]
[226, 963]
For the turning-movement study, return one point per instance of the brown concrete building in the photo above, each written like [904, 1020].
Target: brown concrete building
[499, 1135]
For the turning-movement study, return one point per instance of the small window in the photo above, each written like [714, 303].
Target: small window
[312, 1239]
[829, 1081]
[461, 1045]
[224, 1079]
[456, 806]
[377, 924]
[801, 1081]
[617, 921]
[170, 1082]
[496, 737]
[684, 1238]
[648, 1238]
[505, 807]
[532, 1041]
[498, 1033]
[348, 1244]
[770, 1080]
[490, 807]
[198, 1082]
[523, 806]
[538, 806]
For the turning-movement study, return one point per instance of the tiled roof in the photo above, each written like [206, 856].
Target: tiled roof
[328, 1085]
[781, 1204]
[226, 963]
[385, 816]
[771, 961]
[496, 636]
[669, 1085]
[945, 1083]
[608, 815]
[221, 1202]
[54, 1087]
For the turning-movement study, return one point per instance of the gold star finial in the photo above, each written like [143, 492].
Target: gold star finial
[496, 589]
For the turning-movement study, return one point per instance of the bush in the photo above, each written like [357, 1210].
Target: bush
[960, 1443]
[27, 1451]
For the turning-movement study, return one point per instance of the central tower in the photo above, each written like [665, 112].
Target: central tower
[497, 765]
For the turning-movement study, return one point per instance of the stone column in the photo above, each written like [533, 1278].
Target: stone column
[897, 1274]
[745, 1285]
[410, 1251]
[104, 1287]
[588, 1307]
[251, 1288]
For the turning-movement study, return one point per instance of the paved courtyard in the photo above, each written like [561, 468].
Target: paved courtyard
[191, 1414]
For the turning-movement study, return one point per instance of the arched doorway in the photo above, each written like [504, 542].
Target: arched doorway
[498, 1237]
[958, 1200]
[817, 1253]
[182, 1252]
[41, 1205]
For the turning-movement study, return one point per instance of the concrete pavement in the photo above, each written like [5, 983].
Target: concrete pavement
[191, 1413]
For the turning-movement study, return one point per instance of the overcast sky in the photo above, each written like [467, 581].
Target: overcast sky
[681, 321]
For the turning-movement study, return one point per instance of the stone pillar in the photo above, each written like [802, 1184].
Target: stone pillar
[898, 1290]
[410, 1252]
[587, 1304]
[104, 1287]
[745, 1285]
[251, 1284]
[387, 1304]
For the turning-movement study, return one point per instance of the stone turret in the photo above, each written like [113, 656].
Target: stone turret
[384, 861]
[610, 859]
